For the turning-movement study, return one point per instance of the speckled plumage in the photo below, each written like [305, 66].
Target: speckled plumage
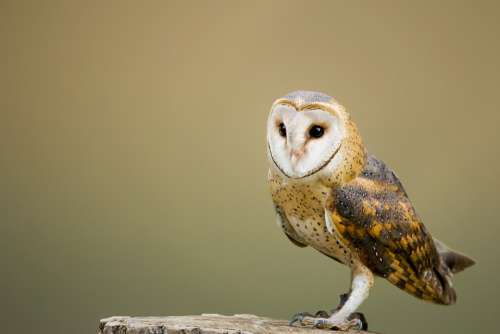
[351, 206]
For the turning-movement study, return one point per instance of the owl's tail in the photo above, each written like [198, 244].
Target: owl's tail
[455, 261]
[451, 262]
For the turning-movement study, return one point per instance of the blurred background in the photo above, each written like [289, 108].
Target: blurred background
[133, 166]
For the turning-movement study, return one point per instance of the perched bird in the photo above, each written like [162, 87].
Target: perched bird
[330, 194]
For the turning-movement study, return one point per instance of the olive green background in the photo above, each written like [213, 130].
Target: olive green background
[133, 167]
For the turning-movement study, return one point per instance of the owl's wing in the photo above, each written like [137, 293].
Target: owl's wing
[283, 222]
[377, 220]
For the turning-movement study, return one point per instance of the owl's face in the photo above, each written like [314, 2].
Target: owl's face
[304, 138]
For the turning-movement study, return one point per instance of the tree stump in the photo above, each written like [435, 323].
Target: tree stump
[203, 324]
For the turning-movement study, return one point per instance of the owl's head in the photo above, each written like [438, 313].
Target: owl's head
[310, 135]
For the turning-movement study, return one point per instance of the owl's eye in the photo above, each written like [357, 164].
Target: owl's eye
[316, 131]
[282, 130]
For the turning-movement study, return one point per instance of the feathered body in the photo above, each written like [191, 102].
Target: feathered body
[375, 224]
[348, 204]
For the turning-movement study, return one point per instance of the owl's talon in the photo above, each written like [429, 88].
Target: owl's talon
[299, 318]
[321, 323]
[321, 314]
[306, 318]
[363, 324]
[355, 321]
[349, 324]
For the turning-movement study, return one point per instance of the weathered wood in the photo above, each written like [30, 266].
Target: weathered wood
[203, 324]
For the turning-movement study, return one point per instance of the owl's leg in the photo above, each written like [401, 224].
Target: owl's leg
[344, 317]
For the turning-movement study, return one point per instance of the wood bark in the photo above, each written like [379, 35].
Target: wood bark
[203, 324]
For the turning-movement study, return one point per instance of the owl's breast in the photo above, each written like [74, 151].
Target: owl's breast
[314, 232]
[304, 208]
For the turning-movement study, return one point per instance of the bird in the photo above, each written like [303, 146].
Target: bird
[330, 194]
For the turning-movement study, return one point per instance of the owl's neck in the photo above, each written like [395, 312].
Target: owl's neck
[349, 161]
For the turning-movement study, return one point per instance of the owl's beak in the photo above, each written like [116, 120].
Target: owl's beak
[296, 154]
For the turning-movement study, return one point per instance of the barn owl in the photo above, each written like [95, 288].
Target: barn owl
[333, 196]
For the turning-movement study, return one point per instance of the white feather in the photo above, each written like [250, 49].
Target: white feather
[279, 221]
[328, 221]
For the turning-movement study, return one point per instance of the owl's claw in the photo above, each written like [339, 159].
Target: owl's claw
[321, 314]
[299, 317]
[322, 319]
[349, 324]
[325, 323]
[302, 317]
[361, 318]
